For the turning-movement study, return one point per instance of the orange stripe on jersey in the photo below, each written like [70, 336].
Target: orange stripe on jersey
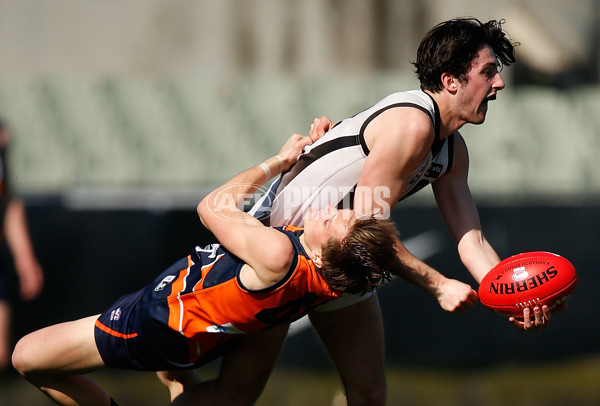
[113, 332]
[291, 228]
[178, 286]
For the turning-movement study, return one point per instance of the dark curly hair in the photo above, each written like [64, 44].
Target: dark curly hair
[452, 45]
[363, 259]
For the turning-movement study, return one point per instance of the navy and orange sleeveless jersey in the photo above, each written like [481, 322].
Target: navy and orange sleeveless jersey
[202, 300]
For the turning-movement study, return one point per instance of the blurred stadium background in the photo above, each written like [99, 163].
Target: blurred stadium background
[123, 114]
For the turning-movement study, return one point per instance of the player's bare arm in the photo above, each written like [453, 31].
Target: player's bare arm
[31, 275]
[415, 130]
[219, 211]
[399, 140]
[458, 209]
[459, 212]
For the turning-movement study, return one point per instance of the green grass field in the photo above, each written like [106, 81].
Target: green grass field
[572, 383]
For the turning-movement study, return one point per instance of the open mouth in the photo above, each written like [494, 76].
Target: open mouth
[484, 104]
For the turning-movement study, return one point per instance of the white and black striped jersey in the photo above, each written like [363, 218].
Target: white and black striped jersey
[327, 172]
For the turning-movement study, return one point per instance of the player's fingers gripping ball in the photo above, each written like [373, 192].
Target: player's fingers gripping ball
[528, 280]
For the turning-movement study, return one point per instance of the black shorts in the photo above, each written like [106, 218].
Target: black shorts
[8, 284]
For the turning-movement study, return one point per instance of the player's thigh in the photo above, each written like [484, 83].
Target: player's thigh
[247, 365]
[353, 336]
[66, 347]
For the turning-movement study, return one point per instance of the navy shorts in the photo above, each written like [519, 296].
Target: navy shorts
[130, 334]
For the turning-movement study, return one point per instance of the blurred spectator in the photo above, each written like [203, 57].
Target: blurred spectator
[16, 235]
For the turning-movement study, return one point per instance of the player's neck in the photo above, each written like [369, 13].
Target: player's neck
[450, 121]
[314, 256]
[305, 246]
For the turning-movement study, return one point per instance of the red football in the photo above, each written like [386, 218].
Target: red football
[527, 280]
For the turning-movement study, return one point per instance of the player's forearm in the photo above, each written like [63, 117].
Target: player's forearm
[228, 197]
[477, 254]
[16, 230]
[417, 272]
[244, 184]
[225, 200]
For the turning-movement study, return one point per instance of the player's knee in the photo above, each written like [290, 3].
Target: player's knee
[23, 357]
[374, 395]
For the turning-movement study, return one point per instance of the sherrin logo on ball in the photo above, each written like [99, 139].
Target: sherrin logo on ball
[529, 279]
[519, 274]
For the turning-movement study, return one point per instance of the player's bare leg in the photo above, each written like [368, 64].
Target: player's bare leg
[354, 339]
[245, 369]
[54, 358]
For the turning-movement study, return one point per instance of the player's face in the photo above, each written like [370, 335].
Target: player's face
[483, 82]
[321, 225]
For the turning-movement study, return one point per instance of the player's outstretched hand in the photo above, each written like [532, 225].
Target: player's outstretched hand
[541, 318]
[319, 127]
[455, 296]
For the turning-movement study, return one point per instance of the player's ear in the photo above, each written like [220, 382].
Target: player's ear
[449, 82]
[316, 258]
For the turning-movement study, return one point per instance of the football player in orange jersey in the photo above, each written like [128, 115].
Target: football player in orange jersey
[194, 311]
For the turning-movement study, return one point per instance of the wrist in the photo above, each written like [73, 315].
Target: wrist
[435, 284]
[266, 170]
[281, 162]
[272, 166]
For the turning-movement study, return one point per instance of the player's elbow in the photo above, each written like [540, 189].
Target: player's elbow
[471, 243]
[202, 210]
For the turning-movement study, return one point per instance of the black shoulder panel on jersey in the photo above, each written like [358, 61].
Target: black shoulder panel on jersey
[378, 112]
[306, 159]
